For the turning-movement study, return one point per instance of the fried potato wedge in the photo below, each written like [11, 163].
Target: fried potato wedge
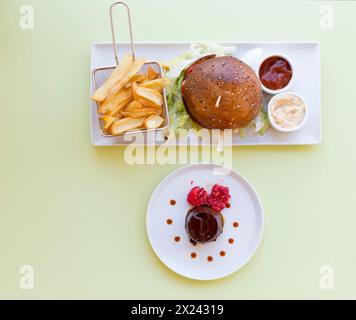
[108, 121]
[157, 84]
[154, 121]
[126, 124]
[152, 74]
[148, 103]
[135, 67]
[128, 85]
[134, 106]
[150, 95]
[140, 113]
[139, 78]
[118, 74]
[110, 105]
[117, 116]
[136, 114]
[119, 107]
[134, 91]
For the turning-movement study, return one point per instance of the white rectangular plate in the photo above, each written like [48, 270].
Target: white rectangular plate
[306, 59]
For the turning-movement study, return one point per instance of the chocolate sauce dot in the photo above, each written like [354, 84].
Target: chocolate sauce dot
[231, 240]
[177, 239]
[193, 255]
[210, 258]
[223, 253]
[169, 221]
[173, 202]
[228, 205]
[236, 224]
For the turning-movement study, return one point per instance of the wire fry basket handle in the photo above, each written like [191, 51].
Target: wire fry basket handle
[113, 30]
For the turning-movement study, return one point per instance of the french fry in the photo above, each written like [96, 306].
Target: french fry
[148, 103]
[150, 95]
[129, 101]
[143, 113]
[135, 67]
[152, 74]
[119, 107]
[117, 116]
[136, 114]
[134, 91]
[139, 78]
[110, 105]
[153, 122]
[108, 121]
[133, 106]
[118, 74]
[157, 84]
[151, 111]
[126, 124]
[128, 85]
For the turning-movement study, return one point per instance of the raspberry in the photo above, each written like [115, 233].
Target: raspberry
[217, 205]
[219, 197]
[198, 197]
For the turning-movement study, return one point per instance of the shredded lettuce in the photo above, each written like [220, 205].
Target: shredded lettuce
[261, 123]
[197, 50]
[242, 132]
[211, 48]
[179, 118]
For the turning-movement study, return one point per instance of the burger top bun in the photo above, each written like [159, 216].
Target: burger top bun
[222, 93]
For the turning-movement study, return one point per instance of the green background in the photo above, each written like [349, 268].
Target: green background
[76, 213]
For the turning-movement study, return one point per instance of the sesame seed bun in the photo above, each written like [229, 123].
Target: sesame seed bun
[222, 93]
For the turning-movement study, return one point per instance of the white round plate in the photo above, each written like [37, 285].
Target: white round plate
[245, 209]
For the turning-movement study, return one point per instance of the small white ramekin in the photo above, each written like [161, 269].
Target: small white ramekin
[288, 86]
[270, 117]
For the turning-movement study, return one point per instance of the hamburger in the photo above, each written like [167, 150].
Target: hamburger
[221, 93]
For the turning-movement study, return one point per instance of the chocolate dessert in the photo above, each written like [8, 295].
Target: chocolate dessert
[204, 224]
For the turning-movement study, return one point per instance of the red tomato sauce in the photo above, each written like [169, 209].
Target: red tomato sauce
[275, 73]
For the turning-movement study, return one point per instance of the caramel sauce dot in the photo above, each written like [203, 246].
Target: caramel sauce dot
[236, 224]
[193, 255]
[223, 253]
[177, 239]
[210, 258]
[228, 205]
[169, 221]
[173, 202]
[231, 240]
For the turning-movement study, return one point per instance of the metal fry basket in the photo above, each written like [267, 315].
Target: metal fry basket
[100, 75]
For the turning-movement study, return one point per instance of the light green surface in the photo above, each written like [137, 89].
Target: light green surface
[77, 213]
